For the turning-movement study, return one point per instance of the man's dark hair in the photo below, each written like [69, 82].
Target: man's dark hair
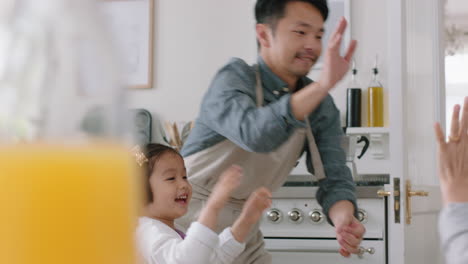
[270, 11]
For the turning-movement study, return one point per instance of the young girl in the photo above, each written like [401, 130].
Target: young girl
[168, 196]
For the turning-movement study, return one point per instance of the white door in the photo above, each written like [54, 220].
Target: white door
[415, 81]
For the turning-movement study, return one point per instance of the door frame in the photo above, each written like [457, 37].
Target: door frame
[398, 81]
[397, 121]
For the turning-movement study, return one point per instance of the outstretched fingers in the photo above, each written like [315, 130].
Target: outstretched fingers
[464, 120]
[455, 126]
[337, 36]
[351, 49]
[439, 135]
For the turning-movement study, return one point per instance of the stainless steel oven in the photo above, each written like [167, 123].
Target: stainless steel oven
[296, 231]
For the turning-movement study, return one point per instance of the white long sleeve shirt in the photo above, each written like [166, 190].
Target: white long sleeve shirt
[160, 244]
[453, 229]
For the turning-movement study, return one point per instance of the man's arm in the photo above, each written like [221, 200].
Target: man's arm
[337, 191]
[338, 184]
[229, 108]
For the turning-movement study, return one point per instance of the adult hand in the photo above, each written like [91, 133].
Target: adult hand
[349, 235]
[453, 157]
[349, 231]
[336, 66]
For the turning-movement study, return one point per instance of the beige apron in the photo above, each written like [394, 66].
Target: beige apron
[259, 169]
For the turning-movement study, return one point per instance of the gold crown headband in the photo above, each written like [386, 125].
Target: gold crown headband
[139, 155]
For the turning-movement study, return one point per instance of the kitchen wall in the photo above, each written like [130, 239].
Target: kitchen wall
[193, 39]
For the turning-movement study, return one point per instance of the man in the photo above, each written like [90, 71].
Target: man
[453, 175]
[263, 117]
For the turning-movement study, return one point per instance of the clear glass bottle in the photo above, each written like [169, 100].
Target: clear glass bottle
[68, 182]
[353, 100]
[375, 94]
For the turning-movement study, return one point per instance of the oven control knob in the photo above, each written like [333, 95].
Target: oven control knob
[274, 215]
[316, 216]
[362, 215]
[295, 215]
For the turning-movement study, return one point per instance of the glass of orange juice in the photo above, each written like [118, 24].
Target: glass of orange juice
[68, 188]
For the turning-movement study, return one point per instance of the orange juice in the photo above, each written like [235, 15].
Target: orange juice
[67, 205]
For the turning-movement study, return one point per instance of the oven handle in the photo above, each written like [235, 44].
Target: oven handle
[361, 253]
[304, 250]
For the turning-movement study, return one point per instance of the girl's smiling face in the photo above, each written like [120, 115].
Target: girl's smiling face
[170, 188]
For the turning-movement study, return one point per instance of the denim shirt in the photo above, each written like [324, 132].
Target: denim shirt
[229, 111]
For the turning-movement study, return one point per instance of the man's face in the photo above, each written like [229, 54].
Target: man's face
[296, 43]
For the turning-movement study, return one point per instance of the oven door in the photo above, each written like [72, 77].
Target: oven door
[308, 250]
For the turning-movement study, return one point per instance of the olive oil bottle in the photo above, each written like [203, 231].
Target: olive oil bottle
[375, 94]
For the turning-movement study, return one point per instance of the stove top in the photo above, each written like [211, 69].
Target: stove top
[361, 180]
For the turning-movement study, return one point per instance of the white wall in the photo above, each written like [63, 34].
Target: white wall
[193, 39]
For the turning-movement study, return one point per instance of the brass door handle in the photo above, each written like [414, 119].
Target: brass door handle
[383, 193]
[418, 193]
[410, 193]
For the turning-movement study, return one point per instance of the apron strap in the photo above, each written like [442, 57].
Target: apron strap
[319, 171]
